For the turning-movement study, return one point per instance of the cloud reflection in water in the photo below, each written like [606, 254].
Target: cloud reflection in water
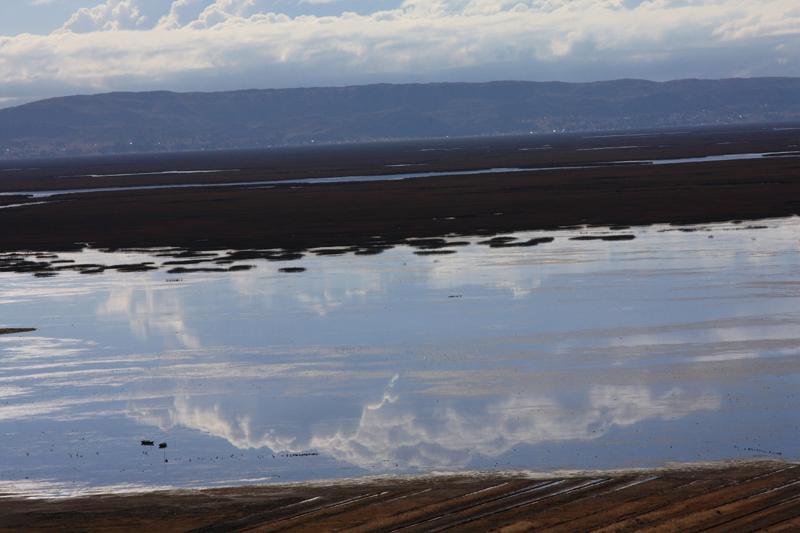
[424, 435]
[569, 346]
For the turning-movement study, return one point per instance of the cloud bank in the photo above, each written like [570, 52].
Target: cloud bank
[227, 44]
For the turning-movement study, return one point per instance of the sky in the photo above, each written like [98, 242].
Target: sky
[63, 47]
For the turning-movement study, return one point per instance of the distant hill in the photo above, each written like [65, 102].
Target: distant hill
[166, 121]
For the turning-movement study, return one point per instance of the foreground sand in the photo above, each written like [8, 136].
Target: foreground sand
[752, 496]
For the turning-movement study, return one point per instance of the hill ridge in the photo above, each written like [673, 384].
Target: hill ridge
[164, 121]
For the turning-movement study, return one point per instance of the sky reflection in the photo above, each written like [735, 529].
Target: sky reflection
[572, 354]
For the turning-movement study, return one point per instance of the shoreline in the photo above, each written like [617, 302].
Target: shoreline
[732, 494]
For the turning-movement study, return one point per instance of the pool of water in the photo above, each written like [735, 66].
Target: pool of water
[675, 346]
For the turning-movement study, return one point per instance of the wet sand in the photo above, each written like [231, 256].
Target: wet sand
[747, 496]
[297, 217]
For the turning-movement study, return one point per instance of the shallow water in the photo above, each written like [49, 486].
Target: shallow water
[675, 346]
[163, 172]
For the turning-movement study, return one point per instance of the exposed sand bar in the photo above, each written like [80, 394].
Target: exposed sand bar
[745, 496]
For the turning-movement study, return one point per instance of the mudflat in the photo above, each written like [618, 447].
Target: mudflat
[745, 496]
[574, 180]
[12, 331]
[606, 180]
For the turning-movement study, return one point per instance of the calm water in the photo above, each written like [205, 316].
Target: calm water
[675, 346]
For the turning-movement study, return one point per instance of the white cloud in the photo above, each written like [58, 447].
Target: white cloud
[109, 16]
[205, 44]
[181, 12]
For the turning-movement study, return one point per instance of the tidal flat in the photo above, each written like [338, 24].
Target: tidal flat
[475, 186]
[601, 317]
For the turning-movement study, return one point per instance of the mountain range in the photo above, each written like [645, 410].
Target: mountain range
[125, 122]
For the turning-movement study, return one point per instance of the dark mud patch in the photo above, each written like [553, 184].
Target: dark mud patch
[285, 257]
[82, 268]
[13, 331]
[269, 255]
[372, 251]
[333, 251]
[185, 270]
[44, 265]
[176, 262]
[245, 255]
[603, 238]
[22, 265]
[134, 267]
[434, 252]
[186, 254]
[434, 243]
[692, 229]
[522, 244]
[427, 244]
[498, 241]
[151, 251]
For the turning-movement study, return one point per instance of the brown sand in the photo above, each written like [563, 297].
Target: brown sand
[734, 497]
